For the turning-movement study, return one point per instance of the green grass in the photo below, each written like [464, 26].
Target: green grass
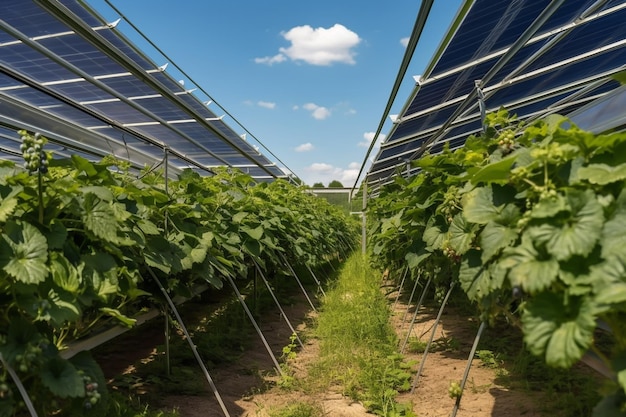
[357, 342]
[298, 409]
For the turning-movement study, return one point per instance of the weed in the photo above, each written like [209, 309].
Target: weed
[416, 345]
[299, 409]
[488, 358]
[446, 344]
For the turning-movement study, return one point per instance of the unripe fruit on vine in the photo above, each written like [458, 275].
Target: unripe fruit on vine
[454, 390]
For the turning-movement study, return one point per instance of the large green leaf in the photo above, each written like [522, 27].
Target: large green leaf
[559, 329]
[24, 252]
[63, 308]
[549, 206]
[602, 174]
[528, 268]
[64, 274]
[496, 172]
[495, 237]
[434, 236]
[462, 234]
[7, 206]
[100, 270]
[255, 233]
[614, 236]
[99, 218]
[478, 206]
[574, 233]
[415, 259]
[57, 235]
[474, 277]
[62, 378]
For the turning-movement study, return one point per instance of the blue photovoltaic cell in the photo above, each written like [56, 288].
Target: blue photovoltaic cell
[85, 77]
[532, 88]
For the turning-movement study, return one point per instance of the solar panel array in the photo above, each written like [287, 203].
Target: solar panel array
[75, 78]
[533, 57]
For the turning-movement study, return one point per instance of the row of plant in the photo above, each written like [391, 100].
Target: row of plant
[530, 220]
[85, 242]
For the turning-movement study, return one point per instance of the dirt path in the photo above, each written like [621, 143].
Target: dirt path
[248, 387]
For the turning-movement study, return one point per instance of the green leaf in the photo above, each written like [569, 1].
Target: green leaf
[528, 268]
[62, 378]
[119, 316]
[256, 233]
[84, 165]
[100, 269]
[24, 252]
[462, 234]
[496, 172]
[102, 193]
[560, 330]
[148, 227]
[615, 294]
[549, 207]
[63, 308]
[99, 218]
[64, 274]
[495, 237]
[613, 238]
[433, 236]
[414, 259]
[474, 276]
[238, 217]
[478, 206]
[7, 207]
[574, 233]
[602, 174]
[57, 235]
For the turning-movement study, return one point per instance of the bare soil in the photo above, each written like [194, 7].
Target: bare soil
[248, 387]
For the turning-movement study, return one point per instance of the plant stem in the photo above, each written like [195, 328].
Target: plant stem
[40, 196]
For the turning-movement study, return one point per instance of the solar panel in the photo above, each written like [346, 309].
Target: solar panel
[60, 62]
[533, 57]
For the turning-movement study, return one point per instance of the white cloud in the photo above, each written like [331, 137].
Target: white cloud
[368, 137]
[318, 112]
[317, 46]
[325, 173]
[305, 147]
[266, 104]
[271, 60]
[404, 42]
[351, 112]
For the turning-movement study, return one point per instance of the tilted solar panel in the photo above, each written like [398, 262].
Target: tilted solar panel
[61, 61]
[533, 57]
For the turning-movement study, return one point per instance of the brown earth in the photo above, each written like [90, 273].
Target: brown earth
[248, 388]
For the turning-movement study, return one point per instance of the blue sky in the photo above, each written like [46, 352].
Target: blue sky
[310, 80]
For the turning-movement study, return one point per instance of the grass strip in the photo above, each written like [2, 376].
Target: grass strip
[358, 345]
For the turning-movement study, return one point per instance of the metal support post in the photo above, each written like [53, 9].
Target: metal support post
[280, 308]
[457, 403]
[406, 270]
[408, 305]
[417, 307]
[190, 342]
[319, 284]
[256, 326]
[432, 337]
[364, 220]
[168, 366]
[20, 387]
[299, 282]
[481, 104]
